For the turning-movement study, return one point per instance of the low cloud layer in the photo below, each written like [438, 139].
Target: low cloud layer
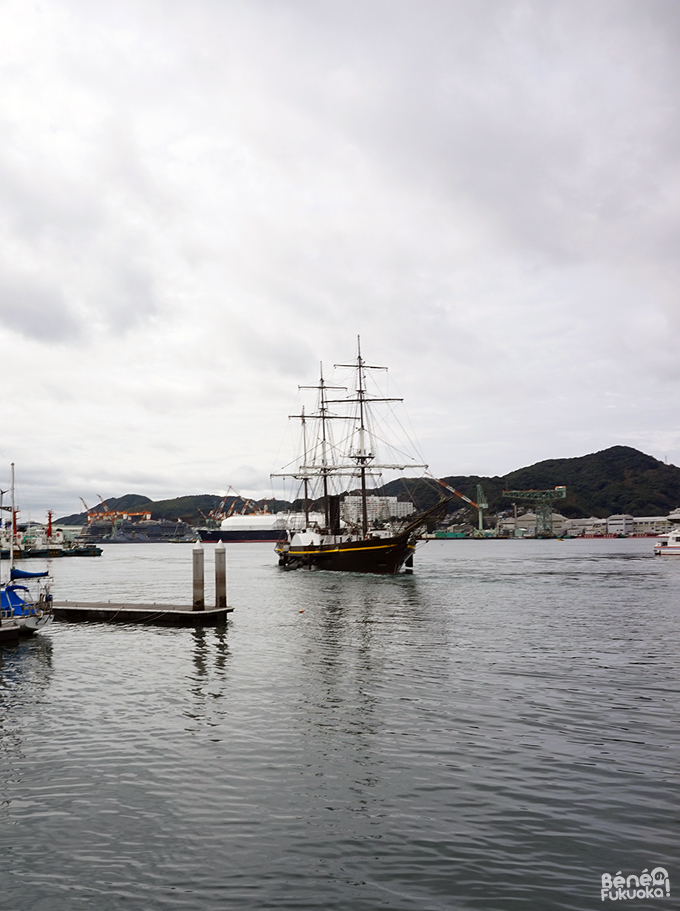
[198, 204]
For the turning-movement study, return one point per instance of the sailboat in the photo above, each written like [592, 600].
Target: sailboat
[357, 531]
[26, 598]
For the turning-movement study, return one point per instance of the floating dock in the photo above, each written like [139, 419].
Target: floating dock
[151, 614]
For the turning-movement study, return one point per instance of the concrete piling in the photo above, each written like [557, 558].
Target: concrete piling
[198, 577]
[220, 575]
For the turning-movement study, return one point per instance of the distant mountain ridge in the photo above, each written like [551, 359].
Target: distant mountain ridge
[615, 480]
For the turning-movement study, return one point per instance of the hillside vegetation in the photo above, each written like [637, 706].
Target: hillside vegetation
[616, 480]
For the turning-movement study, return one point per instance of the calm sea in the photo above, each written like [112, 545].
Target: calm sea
[495, 731]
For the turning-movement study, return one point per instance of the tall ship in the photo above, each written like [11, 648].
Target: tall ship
[357, 529]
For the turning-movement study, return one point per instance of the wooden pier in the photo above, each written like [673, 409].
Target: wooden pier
[150, 614]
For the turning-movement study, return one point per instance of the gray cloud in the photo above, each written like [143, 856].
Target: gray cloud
[205, 201]
[36, 310]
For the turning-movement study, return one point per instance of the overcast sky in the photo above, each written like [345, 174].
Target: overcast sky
[202, 200]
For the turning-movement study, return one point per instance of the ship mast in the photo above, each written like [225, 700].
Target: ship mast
[323, 410]
[13, 528]
[362, 457]
[306, 479]
[324, 468]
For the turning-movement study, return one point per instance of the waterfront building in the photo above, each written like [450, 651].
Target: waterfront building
[622, 524]
[380, 509]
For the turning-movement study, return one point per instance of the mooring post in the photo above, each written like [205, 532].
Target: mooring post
[199, 577]
[220, 575]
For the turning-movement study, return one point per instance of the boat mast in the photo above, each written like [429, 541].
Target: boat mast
[306, 478]
[13, 528]
[362, 456]
[324, 469]
[323, 408]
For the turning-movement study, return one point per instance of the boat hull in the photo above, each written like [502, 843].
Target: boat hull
[377, 556]
[9, 631]
[214, 535]
[34, 622]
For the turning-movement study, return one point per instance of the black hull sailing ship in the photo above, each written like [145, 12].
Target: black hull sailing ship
[329, 473]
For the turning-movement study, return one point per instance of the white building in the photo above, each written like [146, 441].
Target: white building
[590, 527]
[379, 509]
[621, 525]
[525, 525]
[651, 525]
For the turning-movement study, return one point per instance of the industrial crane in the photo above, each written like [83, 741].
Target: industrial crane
[480, 505]
[543, 500]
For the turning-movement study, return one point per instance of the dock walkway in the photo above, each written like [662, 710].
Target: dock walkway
[152, 614]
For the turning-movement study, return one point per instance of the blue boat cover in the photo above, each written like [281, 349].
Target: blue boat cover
[11, 600]
[23, 574]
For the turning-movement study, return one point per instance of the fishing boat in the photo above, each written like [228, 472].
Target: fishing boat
[25, 599]
[360, 530]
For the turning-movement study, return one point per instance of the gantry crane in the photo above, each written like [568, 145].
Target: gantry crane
[543, 500]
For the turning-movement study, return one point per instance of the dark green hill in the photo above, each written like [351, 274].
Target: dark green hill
[616, 480]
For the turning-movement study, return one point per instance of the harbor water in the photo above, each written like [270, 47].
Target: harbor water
[496, 731]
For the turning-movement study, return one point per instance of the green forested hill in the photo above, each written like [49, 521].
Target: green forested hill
[615, 480]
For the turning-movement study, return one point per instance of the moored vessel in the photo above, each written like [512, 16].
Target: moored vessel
[668, 545]
[25, 599]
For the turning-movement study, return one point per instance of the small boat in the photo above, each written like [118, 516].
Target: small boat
[26, 598]
[668, 545]
[361, 530]
[29, 606]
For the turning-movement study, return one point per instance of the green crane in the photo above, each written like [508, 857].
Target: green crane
[543, 500]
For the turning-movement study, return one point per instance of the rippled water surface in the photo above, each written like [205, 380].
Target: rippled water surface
[495, 731]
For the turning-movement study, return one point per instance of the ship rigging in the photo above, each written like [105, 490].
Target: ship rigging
[330, 470]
